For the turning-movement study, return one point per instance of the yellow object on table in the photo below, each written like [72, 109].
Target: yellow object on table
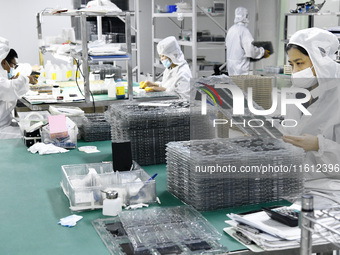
[142, 84]
[149, 89]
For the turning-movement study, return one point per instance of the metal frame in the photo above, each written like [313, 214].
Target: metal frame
[193, 43]
[138, 40]
[308, 220]
[84, 57]
[311, 17]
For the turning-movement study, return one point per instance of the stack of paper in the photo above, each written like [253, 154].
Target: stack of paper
[106, 49]
[259, 232]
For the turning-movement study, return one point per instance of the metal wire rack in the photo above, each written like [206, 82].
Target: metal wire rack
[321, 224]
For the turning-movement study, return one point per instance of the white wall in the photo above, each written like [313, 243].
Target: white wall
[18, 19]
[18, 25]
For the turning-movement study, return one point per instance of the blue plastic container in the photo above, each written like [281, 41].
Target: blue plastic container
[171, 8]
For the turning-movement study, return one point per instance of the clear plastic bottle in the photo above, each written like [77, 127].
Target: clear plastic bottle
[120, 89]
[59, 75]
[69, 72]
[107, 81]
[55, 90]
[48, 70]
[53, 72]
[112, 205]
[75, 73]
[91, 76]
[110, 85]
[64, 72]
[96, 75]
[42, 76]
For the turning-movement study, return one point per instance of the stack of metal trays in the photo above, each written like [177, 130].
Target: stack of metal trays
[150, 126]
[95, 128]
[220, 173]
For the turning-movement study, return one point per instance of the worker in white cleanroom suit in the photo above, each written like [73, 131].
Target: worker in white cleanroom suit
[239, 45]
[177, 74]
[12, 87]
[310, 53]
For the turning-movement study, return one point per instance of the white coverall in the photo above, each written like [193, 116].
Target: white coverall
[325, 119]
[175, 79]
[11, 91]
[239, 45]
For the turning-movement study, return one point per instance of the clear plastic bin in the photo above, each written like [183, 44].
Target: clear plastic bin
[82, 184]
[27, 119]
[159, 230]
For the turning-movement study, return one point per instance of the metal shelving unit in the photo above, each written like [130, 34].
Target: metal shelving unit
[196, 12]
[137, 69]
[311, 18]
[135, 28]
[311, 222]
[84, 57]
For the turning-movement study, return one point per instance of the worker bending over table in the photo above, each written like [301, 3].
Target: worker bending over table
[12, 88]
[177, 74]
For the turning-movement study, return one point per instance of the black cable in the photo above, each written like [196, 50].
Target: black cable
[78, 69]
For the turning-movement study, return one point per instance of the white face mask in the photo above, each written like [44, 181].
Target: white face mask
[166, 63]
[304, 79]
[11, 71]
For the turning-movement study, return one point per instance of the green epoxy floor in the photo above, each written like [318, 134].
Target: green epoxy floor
[32, 202]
